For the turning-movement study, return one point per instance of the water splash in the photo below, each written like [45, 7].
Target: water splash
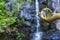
[37, 36]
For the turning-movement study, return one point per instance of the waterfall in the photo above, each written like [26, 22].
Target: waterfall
[56, 6]
[37, 35]
[37, 18]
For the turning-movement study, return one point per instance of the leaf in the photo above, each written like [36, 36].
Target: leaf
[10, 20]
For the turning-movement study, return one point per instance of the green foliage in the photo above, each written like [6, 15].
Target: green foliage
[44, 26]
[6, 17]
[7, 21]
[2, 0]
[23, 20]
[21, 1]
[30, 1]
[20, 36]
[2, 5]
[15, 8]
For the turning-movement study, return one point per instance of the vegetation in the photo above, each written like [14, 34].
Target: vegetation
[9, 20]
[24, 1]
[20, 36]
[6, 17]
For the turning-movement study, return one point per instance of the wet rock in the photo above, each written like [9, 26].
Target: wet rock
[42, 1]
[46, 38]
[9, 6]
[25, 29]
[27, 23]
[33, 29]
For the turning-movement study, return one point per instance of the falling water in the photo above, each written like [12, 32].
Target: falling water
[37, 18]
[37, 35]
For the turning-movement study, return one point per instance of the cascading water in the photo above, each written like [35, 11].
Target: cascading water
[37, 35]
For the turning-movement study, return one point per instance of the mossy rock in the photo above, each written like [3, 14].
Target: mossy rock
[47, 12]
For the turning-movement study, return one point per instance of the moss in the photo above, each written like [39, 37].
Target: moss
[30, 1]
[20, 36]
[21, 1]
[48, 12]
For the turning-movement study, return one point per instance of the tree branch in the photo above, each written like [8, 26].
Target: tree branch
[54, 16]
